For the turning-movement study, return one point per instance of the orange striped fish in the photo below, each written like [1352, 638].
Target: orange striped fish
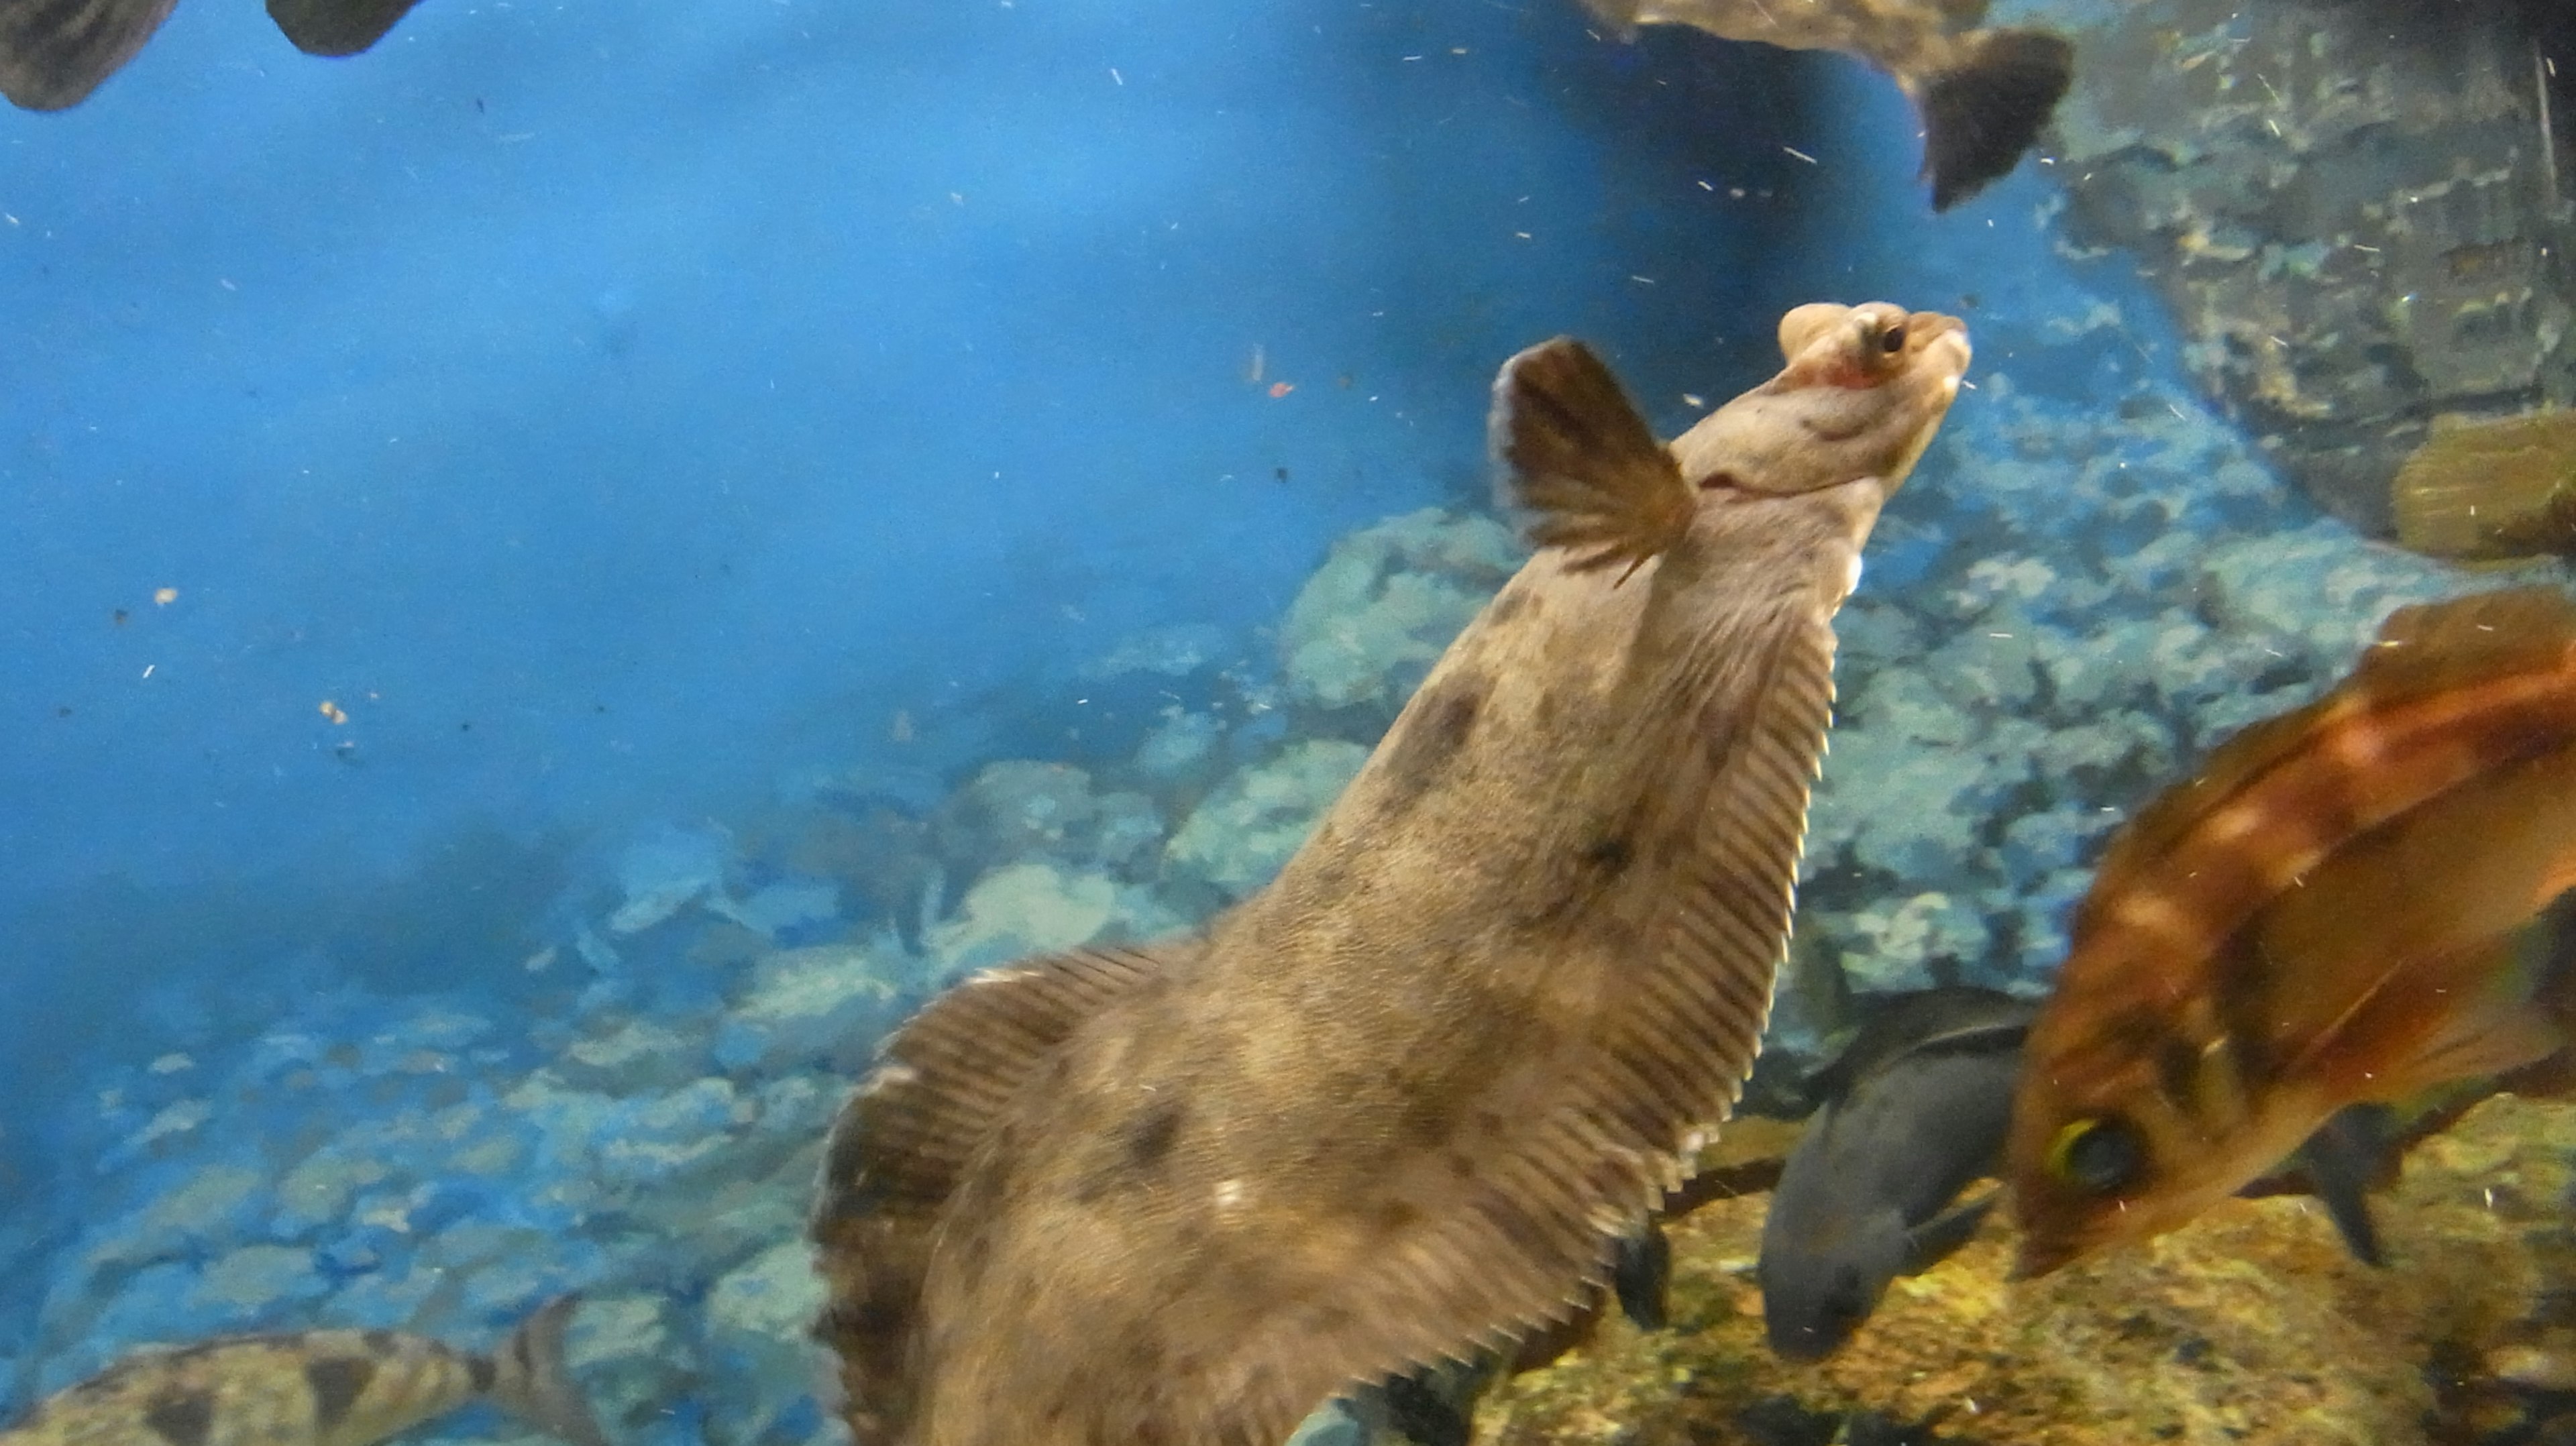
[2332, 912]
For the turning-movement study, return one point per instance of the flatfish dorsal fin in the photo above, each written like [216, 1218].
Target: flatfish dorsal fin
[900, 1145]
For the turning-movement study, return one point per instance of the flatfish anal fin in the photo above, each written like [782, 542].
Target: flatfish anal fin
[336, 27]
[897, 1151]
[1578, 457]
[53, 53]
[1677, 1057]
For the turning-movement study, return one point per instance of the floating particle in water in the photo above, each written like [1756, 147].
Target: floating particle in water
[120, 616]
[164, 596]
[333, 711]
[1281, 389]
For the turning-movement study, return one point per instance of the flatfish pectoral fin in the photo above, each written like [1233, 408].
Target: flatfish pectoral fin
[902, 1144]
[1581, 460]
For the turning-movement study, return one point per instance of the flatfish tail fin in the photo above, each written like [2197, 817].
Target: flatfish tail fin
[1577, 456]
[336, 27]
[532, 1381]
[53, 53]
[900, 1145]
[1982, 114]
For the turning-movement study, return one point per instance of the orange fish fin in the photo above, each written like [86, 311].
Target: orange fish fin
[1576, 453]
[899, 1147]
[2427, 1022]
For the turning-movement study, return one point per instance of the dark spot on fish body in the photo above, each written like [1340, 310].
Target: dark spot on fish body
[1423, 1123]
[1511, 605]
[482, 1371]
[1443, 727]
[1151, 1133]
[338, 1382]
[184, 1419]
[1609, 857]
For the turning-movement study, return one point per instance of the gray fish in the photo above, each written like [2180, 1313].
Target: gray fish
[53, 53]
[1912, 1113]
[316, 1388]
[1398, 1106]
[1984, 94]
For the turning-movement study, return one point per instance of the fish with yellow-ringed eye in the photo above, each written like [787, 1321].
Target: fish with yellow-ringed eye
[2339, 908]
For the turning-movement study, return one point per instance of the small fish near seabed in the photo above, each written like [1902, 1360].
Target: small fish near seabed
[2334, 911]
[53, 53]
[314, 1388]
[1913, 1113]
[1401, 1105]
[1984, 94]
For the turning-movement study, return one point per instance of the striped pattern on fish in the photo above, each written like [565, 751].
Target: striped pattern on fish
[2337, 910]
[313, 1388]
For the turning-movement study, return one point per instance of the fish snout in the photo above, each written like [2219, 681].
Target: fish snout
[1940, 344]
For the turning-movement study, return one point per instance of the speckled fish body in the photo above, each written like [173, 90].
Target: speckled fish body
[2333, 912]
[315, 1388]
[1984, 93]
[1913, 1113]
[1400, 1105]
[53, 53]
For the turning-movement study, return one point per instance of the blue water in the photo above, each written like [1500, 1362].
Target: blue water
[565, 424]
[613, 416]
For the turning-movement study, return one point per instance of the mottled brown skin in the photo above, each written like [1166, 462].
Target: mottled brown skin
[2332, 913]
[1394, 1107]
[313, 1388]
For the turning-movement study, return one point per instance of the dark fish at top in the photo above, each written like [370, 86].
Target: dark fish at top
[1984, 94]
[2334, 911]
[1399, 1105]
[1913, 1113]
[316, 1388]
[53, 53]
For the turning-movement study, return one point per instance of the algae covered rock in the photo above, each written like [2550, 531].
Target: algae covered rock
[1240, 835]
[1386, 603]
[2353, 209]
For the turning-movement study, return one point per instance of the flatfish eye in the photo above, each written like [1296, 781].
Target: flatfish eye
[1892, 340]
[2100, 1156]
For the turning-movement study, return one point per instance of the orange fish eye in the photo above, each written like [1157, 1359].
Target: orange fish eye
[2100, 1156]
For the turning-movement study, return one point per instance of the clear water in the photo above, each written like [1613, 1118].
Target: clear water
[524, 546]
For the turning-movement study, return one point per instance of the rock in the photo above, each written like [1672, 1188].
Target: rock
[2350, 208]
[634, 1354]
[1238, 837]
[1023, 811]
[778, 908]
[761, 1360]
[633, 1056]
[249, 1283]
[805, 1007]
[1022, 909]
[665, 873]
[1387, 602]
